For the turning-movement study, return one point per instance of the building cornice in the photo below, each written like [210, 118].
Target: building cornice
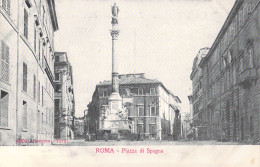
[54, 20]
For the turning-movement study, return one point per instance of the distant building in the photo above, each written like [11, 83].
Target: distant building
[228, 101]
[185, 125]
[86, 122]
[153, 110]
[26, 71]
[198, 123]
[79, 127]
[64, 97]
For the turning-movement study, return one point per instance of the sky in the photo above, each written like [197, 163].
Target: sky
[158, 38]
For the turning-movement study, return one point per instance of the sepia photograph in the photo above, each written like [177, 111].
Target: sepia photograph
[148, 79]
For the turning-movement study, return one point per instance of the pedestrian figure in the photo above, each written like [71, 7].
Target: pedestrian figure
[106, 136]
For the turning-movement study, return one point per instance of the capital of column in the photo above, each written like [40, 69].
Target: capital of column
[114, 34]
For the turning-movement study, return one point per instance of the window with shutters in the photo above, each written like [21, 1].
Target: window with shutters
[57, 76]
[42, 97]
[39, 50]
[57, 59]
[152, 91]
[152, 111]
[4, 62]
[24, 77]
[57, 106]
[42, 122]
[38, 120]
[141, 91]
[43, 54]
[241, 17]
[250, 56]
[47, 115]
[39, 92]
[34, 87]
[140, 110]
[25, 24]
[4, 107]
[24, 114]
[35, 39]
[6, 5]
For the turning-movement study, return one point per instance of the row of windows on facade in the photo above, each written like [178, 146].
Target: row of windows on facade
[40, 90]
[5, 72]
[245, 61]
[230, 34]
[43, 50]
[4, 113]
[134, 91]
[153, 128]
[229, 78]
[60, 58]
[140, 109]
[141, 112]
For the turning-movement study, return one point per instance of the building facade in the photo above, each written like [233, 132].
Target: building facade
[230, 103]
[185, 125]
[64, 98]
[27, 66]
[153, 110]
[195, 100]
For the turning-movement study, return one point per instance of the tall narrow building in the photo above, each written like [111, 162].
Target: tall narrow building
[64, 98]
[27, 68]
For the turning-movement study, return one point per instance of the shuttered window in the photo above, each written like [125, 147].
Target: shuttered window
[42, 97]
[25, 23]
[57, 106]
[39, 92]
[4, 62]
[24, 77]
[4, 103]
[38, 121]
[35, 39]
[34, 87]
[6, 4]
[25, 114]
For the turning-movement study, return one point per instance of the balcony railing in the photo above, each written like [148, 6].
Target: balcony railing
[48, 71]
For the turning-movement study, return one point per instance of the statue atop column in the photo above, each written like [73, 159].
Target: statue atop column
[115, 11]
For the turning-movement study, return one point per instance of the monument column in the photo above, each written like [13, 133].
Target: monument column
[114, 33]
[114, 101]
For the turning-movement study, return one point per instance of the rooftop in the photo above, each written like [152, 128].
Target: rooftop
[126, 79]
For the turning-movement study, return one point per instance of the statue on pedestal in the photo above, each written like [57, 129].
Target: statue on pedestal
[115, 11]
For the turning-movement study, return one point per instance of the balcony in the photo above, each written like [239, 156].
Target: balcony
[247, 77]
[48, 71]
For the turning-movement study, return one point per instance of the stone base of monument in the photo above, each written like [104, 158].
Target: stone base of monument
[121, 135]
[114, 120]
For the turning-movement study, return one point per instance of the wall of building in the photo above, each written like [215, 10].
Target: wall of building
[34, 108]
[231, 78]
[65, 110]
